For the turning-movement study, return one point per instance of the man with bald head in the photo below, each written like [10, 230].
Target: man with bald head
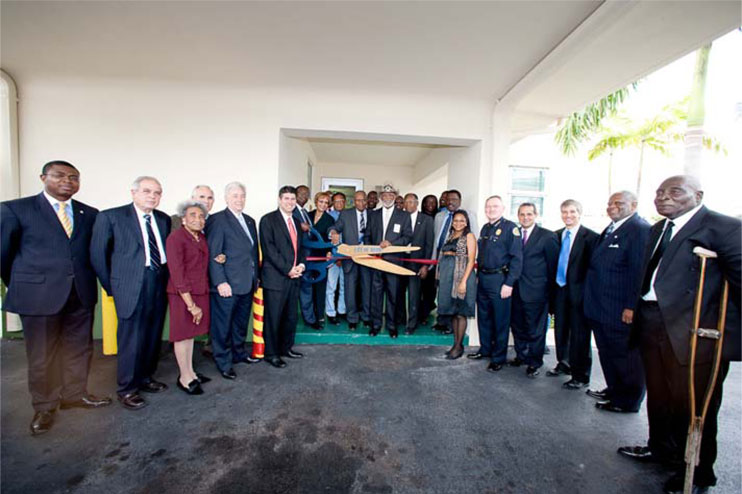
[668, 285]
[611, 287]
[201, 193]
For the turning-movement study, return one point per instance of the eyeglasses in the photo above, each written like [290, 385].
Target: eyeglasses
[62, 176]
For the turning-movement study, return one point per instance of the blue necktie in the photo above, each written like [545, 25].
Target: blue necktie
[444, 231]
[563, 261]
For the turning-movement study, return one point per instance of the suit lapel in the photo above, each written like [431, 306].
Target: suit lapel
[46, 210]
[694, 224]
[577, 247]
[78, 218]
[133, 223]
[235, 224]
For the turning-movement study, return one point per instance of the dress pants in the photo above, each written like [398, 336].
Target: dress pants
[281, 314]
[59, 349]
[529, 323]
[385, 286]
[572, 335]
[622, 366]
[230, 317]
[400, 306]
[414, 301]
[667, 396]
[358, 281]
[428, 295]
[335, 279]
[306, 302]
[139, 337]
[493, 320]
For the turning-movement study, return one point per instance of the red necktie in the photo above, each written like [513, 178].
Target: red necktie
[292, 233]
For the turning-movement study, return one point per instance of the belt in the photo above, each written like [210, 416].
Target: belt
[502, 270]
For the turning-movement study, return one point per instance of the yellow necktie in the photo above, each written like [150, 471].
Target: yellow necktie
[64, 219]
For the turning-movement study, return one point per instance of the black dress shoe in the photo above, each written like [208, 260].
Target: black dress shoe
[575, 384]
[516, 362]
[202, 379]
[447, 331]
[276, 362]
[532, 372]
[317, 326]
[439, 327]
[293, 354]
[153, 386]
[476, 356]
[676, 485]
[87, 401]
[366, 324]
[373, 331]
[249, 360]
[493, 367]
[393, 333]
[193, 388]
[42, 422]
[598, 395]
[229, 374]
[610, 407]
[559, 370]
[352, 325]
[132, 401]
[639, 453]
[333, 320]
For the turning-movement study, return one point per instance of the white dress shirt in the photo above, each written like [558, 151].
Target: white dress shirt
[68, 207]
[158, 238]
[386, 215]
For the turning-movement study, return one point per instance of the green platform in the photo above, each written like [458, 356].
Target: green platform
[342, 335]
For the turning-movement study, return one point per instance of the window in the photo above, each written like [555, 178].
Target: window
[527, 185]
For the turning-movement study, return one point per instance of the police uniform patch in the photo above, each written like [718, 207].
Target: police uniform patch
[516, 231]
[498, 232]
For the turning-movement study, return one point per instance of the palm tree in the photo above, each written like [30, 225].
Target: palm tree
[694, 134]
[580, 126]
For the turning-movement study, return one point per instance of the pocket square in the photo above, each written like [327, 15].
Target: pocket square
[613, 246]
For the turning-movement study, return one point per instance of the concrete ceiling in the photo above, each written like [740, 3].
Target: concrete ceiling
[369, 152]
[463, 49]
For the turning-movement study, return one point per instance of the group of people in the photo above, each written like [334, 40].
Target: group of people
[632, 286]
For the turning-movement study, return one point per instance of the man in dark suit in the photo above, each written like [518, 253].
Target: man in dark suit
[387, 226]
[352, 224]
[422, 236]
[283, 265]
[233, 282]
[669, 282]
[51, 285]
[571, 330]
[128, 254]
[530, 305]
[306, 300]
[611, 288]
[201, 193]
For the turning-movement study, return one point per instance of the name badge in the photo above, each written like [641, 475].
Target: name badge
[397, 228]
[613, 246]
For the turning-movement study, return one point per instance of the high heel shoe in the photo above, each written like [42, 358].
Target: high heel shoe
[453, 355]
[193, 388]
[202, 379]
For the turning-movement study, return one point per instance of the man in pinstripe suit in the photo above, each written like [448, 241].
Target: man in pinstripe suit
[128, 254]
[51, 285]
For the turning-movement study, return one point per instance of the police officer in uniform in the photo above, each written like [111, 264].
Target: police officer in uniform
[499, 264]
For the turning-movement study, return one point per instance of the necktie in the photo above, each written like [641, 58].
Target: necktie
[655, 260]
[608, 231]
[243, 224]
[304, 215]
[444, 231]
[362, 231]
[525, 236]
[154, 252]
[292, 234]
[64, 219]
[563, 260]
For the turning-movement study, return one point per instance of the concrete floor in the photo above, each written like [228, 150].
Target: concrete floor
[354, 419]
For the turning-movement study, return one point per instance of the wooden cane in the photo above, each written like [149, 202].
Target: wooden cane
[695, 429]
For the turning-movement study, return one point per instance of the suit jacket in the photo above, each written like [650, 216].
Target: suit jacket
[278, 253]
[613, 277]
[579, 259]
[347, 224]
[440, 220]
[422, 236]
[398, 232]
[540, 256]
[226, 236]
[677, 279]
[117, 254]
[40, 263]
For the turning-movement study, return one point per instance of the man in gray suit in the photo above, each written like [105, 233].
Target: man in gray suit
[442, 227]
[352, 224]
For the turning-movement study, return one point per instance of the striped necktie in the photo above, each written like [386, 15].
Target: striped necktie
[155, 261]
[63, 218]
